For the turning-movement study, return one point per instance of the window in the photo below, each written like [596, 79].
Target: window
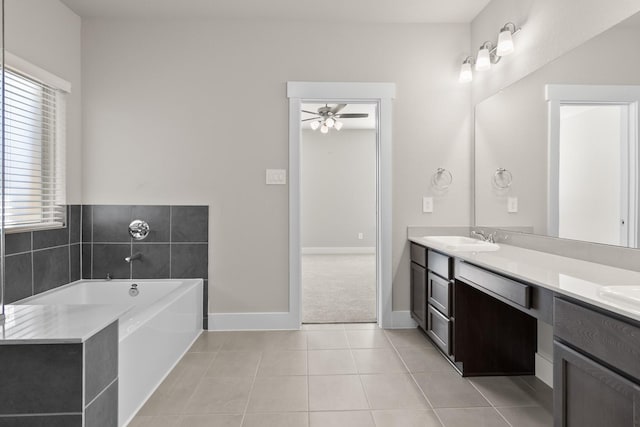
[34, 130]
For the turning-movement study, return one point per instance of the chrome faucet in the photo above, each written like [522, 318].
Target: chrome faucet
[491, 237]
[133, 257]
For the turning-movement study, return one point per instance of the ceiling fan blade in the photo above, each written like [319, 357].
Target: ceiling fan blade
[312, 118]
[352, 115]
[315, 113]
[338, 108]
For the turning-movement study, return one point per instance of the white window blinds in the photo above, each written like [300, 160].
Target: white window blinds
[34, 129]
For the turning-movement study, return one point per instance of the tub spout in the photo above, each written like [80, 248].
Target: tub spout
[133, 257]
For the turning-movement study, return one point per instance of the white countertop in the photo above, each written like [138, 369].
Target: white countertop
[48, 324]
[578, 279]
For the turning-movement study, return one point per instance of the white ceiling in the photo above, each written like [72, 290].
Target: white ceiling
[380, 11]
[360, 123]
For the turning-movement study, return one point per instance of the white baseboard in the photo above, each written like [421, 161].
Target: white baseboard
[252, 321]
[544, 369]
[401, 319]
[338, 250]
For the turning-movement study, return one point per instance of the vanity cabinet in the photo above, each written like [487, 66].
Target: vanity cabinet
[419, 285]
[482, 322]
[596, 368]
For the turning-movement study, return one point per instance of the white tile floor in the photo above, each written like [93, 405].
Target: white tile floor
[348, 375]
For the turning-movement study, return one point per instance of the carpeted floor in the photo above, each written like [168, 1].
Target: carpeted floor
[338, 288]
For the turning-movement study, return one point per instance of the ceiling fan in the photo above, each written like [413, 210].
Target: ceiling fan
[327, 117]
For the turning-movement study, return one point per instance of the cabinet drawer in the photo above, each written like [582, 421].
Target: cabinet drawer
[440, 264]
[439, 291]
[508, 289]
[419, 254]
[438, 328]
[608, 339]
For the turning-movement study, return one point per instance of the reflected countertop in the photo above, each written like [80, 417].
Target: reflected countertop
[49, 324]
[583, 280]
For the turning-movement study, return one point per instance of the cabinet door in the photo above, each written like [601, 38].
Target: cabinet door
[586, 394]
[419, 294]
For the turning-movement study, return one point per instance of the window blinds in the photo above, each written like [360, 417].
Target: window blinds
[34, 154]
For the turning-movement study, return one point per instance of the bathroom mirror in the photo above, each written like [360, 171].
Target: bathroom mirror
[563, 133]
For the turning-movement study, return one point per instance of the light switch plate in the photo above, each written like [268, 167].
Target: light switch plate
[427, 204]
[276, 176]
[512, 204]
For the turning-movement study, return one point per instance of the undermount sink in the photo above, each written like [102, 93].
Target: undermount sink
[460, 243]
[628, 294]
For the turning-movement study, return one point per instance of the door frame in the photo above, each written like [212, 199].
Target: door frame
[374, 93]
[564, 94]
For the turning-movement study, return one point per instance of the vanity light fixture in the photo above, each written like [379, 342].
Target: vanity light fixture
[490, 53]
[466, 75]
[505, 39]
[486, 57]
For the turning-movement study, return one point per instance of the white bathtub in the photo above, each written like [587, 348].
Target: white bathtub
[159, 326]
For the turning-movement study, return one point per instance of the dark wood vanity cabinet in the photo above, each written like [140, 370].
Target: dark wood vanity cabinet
[419, 284]
[596, 368]
[466, 312]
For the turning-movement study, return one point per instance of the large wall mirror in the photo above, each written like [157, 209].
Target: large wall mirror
[556, 153]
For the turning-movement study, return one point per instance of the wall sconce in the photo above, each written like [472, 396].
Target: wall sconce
[466, 75]
[489, 53]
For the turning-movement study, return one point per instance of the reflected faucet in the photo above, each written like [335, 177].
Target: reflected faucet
[133, 257]
[491, 237]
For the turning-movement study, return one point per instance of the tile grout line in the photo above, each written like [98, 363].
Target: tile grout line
[493, 406]
[253, 385]
[433, 409]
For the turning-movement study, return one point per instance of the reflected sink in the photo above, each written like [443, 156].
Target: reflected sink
[460, 243]
[628, 294]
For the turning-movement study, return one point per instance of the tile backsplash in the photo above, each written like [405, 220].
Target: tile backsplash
[36, 261]
[177, 246]
[96, 242]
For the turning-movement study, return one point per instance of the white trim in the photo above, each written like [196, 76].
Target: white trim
[352, 250]
[544, 368]
[401, 319]
[33, 71]
[382, 94]
[564, 94]
[252, 321]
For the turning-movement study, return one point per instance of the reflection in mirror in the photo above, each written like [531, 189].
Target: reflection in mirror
[573, 159]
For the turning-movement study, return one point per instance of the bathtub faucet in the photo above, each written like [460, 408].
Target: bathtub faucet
[133, 257]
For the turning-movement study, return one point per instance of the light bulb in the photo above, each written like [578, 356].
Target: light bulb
[483, 61]
[324, 129]
[505, 43]
[466, 75]
[330, 122]
[314, 125]
[338, 125]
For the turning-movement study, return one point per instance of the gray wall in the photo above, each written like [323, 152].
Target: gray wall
[338, 188]
[200, 111]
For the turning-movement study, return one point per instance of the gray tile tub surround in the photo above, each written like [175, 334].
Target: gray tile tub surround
[37, 261]
[177, 246]
[54, 384]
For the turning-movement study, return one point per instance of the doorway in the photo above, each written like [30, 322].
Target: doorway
[338, 152]
[593, 163]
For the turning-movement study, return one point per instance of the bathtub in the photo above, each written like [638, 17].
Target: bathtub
[157, 328]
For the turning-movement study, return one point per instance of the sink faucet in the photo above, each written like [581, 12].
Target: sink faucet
[491, 237]
[133, 257]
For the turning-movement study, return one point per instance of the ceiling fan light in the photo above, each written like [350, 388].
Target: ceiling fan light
[338, 125]
[314, 125]
[324, 129]
[330, 122]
